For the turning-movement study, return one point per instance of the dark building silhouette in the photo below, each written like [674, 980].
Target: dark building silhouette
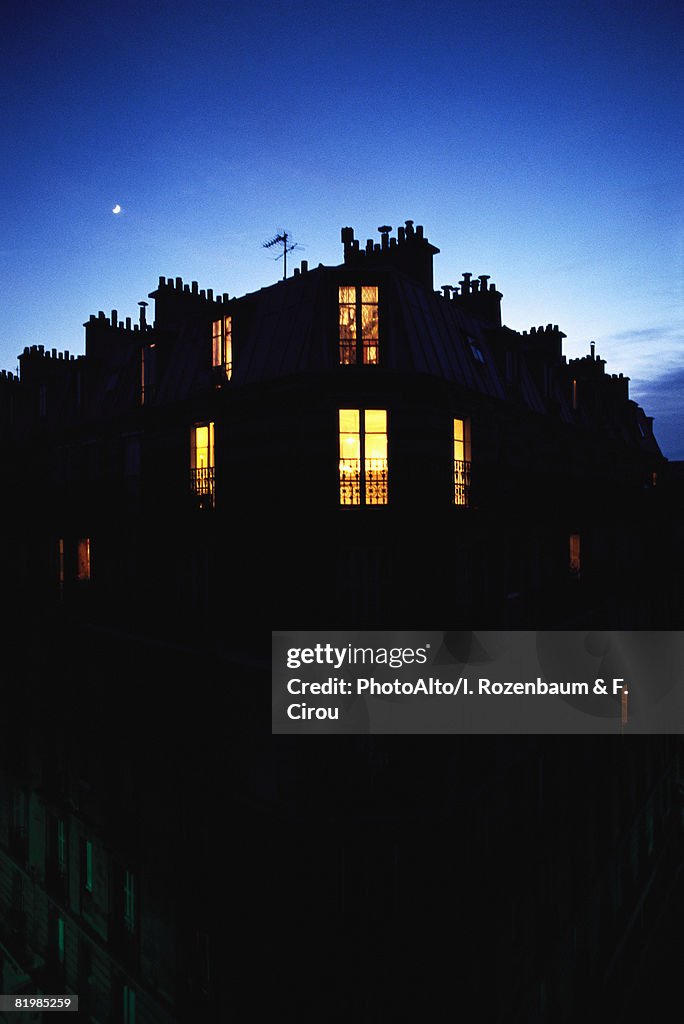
[345, 448]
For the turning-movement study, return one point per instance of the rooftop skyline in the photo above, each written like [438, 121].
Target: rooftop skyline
[541, 145]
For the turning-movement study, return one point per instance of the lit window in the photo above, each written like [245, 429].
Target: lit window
[129, 901]
[83, 559]
[222, 345]
[358, 306]
[202, 463]
[574, 394]
[363, 457]
[575, 556]
[461, 465]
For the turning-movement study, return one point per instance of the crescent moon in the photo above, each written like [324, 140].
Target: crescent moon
[116, 209]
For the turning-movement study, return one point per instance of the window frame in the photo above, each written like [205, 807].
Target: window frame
[359, 486]
[203, 477]
[359, 348]
[461, 462]
[222, 345]
[84, 560]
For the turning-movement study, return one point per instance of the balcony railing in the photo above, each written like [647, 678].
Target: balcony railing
[461, 482]
[203, 486]
[363, 486]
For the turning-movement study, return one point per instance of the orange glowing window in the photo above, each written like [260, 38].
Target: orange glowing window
[202, 463]
[461, 464]
[83, 559]
[574, 394]
[358, 325]
[222, 345]
[575, 555]
[363, 456]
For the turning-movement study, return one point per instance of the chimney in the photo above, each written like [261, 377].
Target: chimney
[384, 235]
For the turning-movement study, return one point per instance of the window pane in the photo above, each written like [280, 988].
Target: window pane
[228, 345]
[376, 421]
[216, 343]
[350, 457]
[369, 326]
[347, 325]
[376, 446]
[83, 559]
[349, 421]
[575, 554]
[459, 447]
[202, 446]
[348, 322]
[375, 462]
[202, 462]
[369, 294]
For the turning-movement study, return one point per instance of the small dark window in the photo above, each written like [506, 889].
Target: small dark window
[476, 350]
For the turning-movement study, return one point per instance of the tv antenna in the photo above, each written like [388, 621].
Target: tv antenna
[283, 238]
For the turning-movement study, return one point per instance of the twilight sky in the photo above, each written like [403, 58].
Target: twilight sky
[539, 142]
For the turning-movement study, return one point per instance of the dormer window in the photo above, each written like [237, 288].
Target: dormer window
[358, 325]
[222, 346]
[475, 350]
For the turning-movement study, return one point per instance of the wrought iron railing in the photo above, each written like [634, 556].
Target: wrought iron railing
[203, 486]
[365, 485]
[376, 481]
[461, 482]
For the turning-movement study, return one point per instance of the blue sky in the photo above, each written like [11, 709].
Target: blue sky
[541, 143]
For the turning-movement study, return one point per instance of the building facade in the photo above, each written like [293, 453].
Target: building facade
[346, 448]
